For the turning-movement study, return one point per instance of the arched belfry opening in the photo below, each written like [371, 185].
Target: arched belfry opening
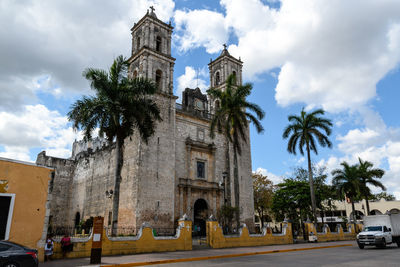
[199, 217]
[158, 44]
[217, 78]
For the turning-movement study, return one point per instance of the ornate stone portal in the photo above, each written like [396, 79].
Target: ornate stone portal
[179, 171]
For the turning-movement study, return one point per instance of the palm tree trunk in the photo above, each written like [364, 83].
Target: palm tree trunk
[118, 167]
[236, 186]
[311, 181]
[353, 208]
[367, 203]
[228, 174]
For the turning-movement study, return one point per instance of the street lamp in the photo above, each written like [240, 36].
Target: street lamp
[224, 176]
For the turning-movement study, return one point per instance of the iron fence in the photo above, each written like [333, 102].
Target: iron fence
[134, 231]
[60, 231]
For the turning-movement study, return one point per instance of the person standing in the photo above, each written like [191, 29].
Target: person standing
[66, 245]
[48, 249]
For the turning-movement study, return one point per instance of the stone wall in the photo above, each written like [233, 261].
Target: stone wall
[61, 184]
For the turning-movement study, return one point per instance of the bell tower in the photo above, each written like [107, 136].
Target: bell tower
[151, 52]
[220, 69]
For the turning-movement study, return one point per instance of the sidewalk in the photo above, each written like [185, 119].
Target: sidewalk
[179, 255]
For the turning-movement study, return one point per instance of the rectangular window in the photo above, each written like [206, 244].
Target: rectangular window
[201, 172]
[6, 211]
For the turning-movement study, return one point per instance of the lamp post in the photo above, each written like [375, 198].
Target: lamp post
[224, 175]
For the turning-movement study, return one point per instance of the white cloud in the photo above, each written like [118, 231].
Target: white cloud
[199, 28]
[376, 143]
[35, 127]
[331, 53]
[192, 79]
[274, 178]
[59, 39]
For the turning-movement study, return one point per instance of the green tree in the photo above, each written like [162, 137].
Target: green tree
[263, 194]
[231, 119]
[368, 176]
[225, 217]
[382, 195]
[347, 183]
[120, 106]
[292, 200]
[306, 130]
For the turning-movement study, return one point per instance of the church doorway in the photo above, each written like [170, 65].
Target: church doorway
[200, 217]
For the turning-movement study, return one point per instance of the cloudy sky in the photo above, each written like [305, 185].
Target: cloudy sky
[340, 55]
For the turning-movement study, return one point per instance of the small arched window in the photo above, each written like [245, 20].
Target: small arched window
[158, 44]
[234, 75]
[217, 78]
[159, 79]
[77, 218]
[138, 43]
[135, 74]
[216, 104]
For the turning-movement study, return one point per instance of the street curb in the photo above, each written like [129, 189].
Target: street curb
[220, 256]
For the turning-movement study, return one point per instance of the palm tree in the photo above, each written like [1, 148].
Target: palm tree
[367, 175]
[121, 106]
[231, 119]
[347, 182]
[303, 130]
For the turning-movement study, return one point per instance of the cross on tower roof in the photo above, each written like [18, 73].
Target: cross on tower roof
[224, 45]
[152, 8]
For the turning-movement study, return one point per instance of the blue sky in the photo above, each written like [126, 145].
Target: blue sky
[338, 55]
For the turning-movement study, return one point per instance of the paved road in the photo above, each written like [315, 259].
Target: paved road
[329, 257]
[332, 256]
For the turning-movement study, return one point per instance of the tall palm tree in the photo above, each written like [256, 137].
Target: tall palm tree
[120, 106]
[347, 182]
[306, 130]
[231, 119]
[367, 175]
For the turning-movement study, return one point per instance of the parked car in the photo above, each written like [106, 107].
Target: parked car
[15, 255]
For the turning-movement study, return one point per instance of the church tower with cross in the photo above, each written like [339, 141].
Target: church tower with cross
[220, 68]
[151, 51]
[180, 170]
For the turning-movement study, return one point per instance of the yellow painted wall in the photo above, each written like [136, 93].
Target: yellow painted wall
[332, 236]
[29, 183]
[216, 238]
[146, 243]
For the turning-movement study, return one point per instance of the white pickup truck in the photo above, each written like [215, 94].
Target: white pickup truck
[380, 230]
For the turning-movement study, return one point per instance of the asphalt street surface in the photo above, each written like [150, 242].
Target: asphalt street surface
[341, 256]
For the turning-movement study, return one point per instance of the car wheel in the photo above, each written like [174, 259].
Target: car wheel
[361, 246]
[11, 264]
[383, 243]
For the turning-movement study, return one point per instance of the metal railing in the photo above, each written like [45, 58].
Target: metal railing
[60, 231]
[133, 231]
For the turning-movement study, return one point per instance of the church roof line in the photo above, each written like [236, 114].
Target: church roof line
[225, 53]
[153, 17]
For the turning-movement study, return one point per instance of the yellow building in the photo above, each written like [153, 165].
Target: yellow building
[24, 189]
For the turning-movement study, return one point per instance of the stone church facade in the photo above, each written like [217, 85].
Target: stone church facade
[181, 170]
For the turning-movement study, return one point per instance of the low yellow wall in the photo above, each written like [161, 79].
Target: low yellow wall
[144, 242]
[327, 235]
[216, 238]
